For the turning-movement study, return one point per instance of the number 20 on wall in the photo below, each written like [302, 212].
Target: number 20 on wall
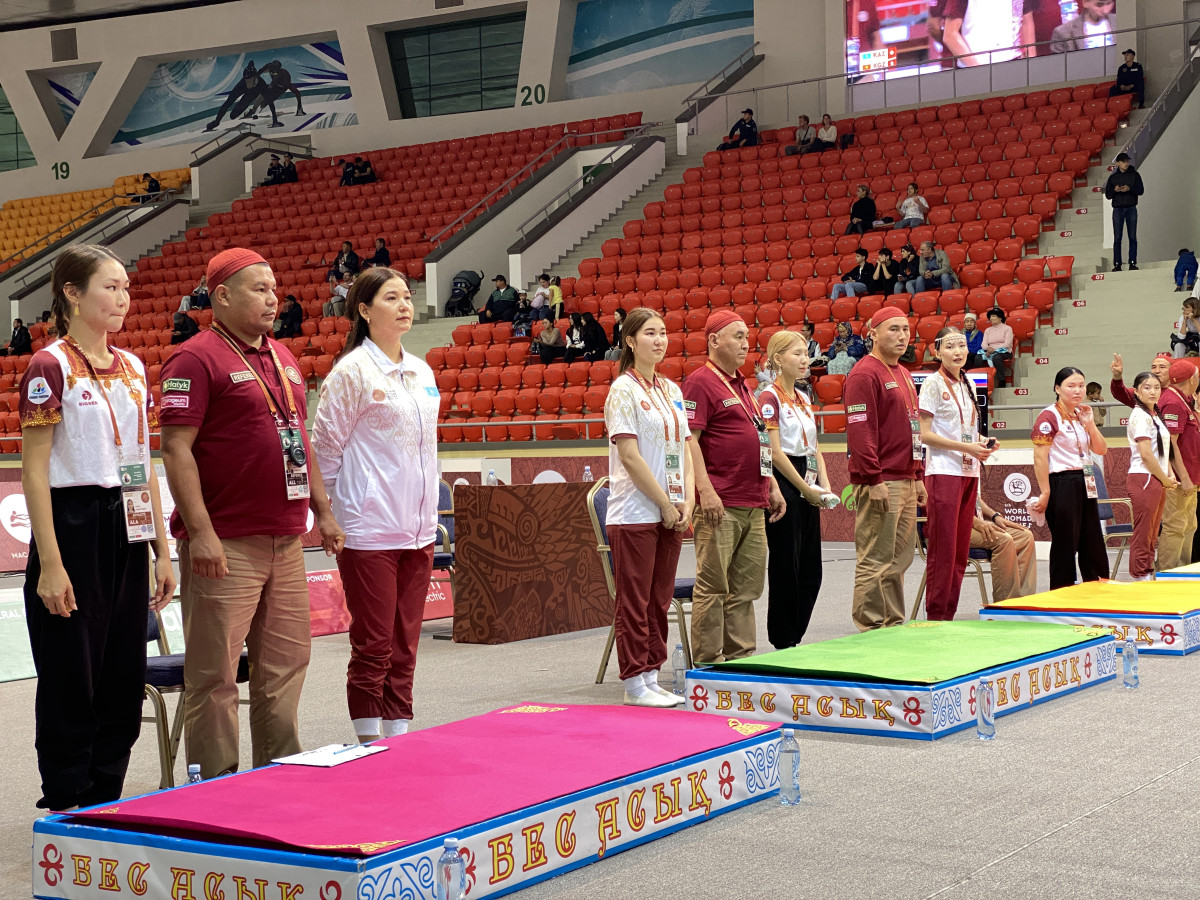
[532, 95]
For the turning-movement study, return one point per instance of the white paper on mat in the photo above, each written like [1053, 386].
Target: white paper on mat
[330, 755]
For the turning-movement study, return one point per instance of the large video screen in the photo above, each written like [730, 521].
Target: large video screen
[897, 38]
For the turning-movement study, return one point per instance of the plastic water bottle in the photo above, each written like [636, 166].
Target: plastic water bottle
[587, 473]
[1129, 664]
[789, 768]
[491, 478]
[679, 667]
[985, 711]
[194, 773]
[451, 872]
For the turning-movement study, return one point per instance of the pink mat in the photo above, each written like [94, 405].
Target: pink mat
[433, 782]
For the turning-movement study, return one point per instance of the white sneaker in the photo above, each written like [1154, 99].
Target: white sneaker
[650, 699]
[676, 698]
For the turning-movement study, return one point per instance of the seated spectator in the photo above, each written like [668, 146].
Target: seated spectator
[997, 345]
[618, 321]
[347, 172]
[1185, 270]
[883, 275]
[550, 344]
[827, 135]
[345, 263]
[913, 208]
[1095, 396]
[744, 132]
[523, 317]
[381, 256]
[274, 171]
[336, 304]
[974, 340]
[908, 270]
[815, 356]
[290, 318]
[1131, 79]
[557, 306]
[46, 315]
[541, 299]
[855, 281]
[805, 135]
[20, 342]
[150, 190]
[51, 332]
[1186, 337]
[183, 327]
[1092, 28]
[501, 305]
[363, 172]
[935, 270]
[575, 341]
[862, 212]
[198, 298]
[595, 341]
[289, 174]
[847, 349]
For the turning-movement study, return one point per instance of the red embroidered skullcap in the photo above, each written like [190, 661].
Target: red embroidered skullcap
[1163, 355]
[229, 262]
[720, 319]
[1181, 371]
[888, 312]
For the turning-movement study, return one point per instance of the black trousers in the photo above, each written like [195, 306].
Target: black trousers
[1074, 522]
[91, 665]
[793, 564]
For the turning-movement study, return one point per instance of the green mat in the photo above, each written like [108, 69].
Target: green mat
[917, 653]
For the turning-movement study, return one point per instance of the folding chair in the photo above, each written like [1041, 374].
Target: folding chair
[975, 560]
[1119, 532]
[597, 500]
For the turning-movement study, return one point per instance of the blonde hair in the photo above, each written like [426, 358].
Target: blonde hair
[781, 342]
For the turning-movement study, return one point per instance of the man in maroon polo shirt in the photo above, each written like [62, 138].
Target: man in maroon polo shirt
[243, 479]
[731, 455]
[1177, 406]
[1160, 368]
[883, 437]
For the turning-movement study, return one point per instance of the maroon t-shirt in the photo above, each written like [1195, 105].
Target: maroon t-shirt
[728, 437]
[878, 423]
[1180, 418]
[206, 385]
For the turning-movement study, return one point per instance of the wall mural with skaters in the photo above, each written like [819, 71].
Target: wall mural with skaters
[284, 89]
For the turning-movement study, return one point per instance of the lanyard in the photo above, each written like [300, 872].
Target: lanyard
[70, 344]
[650, 390]
[952, 388]
[800, 408]
[912, 391]
[754, 417]
[1074, 431]
[271, 404]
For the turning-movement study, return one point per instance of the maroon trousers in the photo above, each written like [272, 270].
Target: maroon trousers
[951, 510]
[1148, 497]
[645, 558]
[385, 593]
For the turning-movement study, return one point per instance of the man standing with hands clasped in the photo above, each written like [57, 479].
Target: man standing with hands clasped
[244, 479]
[731, 455]
[883, 437]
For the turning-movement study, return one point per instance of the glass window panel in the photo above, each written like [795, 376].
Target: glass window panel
[497, 99]
[511, 31]
[416, 43]
[418, 71]
[499, 62]
[451, 40]
[454, 67]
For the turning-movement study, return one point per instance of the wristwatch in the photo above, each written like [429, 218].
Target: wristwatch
[995, 516]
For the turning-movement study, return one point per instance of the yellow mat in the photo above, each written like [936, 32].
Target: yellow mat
[1162, 598]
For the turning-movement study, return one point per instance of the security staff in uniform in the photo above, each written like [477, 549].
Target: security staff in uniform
[1131, 79]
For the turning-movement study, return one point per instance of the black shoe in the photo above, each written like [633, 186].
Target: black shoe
[1178, 288]
[1133, 267]
[1117, 267]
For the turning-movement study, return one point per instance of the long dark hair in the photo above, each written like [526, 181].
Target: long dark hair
[635, 321]
[1063, 374]
[1141, 379]
[946, 332]
[76, 265]
[362, 293]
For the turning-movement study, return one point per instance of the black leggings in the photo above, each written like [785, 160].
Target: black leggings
[793, 565]
[1074, 522]
[91, 665]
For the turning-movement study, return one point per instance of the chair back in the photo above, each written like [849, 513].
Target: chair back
[155, 632]
[446, 507]
[1105, 509]
[597, 500]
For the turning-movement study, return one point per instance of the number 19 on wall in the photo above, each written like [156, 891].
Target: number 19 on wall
[62, 171]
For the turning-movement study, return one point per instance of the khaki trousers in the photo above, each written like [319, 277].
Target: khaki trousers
[1014, 561]
[263, 603]
[885, 543]
[731, 569]
[1178, 529]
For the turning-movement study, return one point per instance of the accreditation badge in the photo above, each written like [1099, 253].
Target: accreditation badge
[918, 449]
[136, 507]
[1089, 481]
[968, 461]
[810, 467]
[764, 454]
[674, 470]
[295, 463]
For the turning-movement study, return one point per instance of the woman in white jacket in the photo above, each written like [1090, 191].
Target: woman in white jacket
[375, 437]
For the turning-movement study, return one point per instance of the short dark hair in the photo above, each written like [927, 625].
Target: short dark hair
[1122, 157]
[1093, 386]
[860, 251]
[885, 250]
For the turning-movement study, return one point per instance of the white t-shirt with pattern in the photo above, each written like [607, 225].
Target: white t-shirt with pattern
[938, 399]
[1144, 427]
[632, 411]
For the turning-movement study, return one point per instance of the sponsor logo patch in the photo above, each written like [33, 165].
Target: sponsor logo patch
[890, 385]
[1045, 428]
[177, 384]
[856, 407]
[38, 391]
[174, 401]
[377, 395]
[732, 401]
[292, 374]
[1167, 417]
[768, 410]
[857, 417]
[239, 377]
[689, 404]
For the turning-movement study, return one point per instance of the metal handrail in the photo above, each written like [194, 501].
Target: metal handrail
[236, 129]
[529, 166]
[720, 75]
[266, 142]
[915, 68]
[1133, 146]
[626, 142]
